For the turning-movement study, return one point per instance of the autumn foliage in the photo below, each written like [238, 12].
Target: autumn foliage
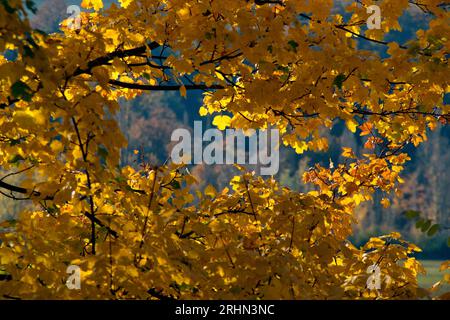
[141, 233]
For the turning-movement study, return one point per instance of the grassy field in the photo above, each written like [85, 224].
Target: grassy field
[433, 275]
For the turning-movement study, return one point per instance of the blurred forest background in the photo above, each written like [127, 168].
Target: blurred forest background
[148, 122]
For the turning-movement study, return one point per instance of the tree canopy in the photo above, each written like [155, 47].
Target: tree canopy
[298, 66]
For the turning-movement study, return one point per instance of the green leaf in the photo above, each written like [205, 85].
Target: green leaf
[414, 48]
[434, 228]
[293, 44]
[14, 142]
[102, 152]
[175, 184]
[33, 160]
[21, 90]
[284, 77]
[419, 223]
[283, 68]
[8, 8]
[448, 242]
[52, 209]
[120, 179]
[235, 290]
[31, 6]
[16, 158]
[411, 214]
[339, 80]
[12, 222]
[426, 225]
[28, 52]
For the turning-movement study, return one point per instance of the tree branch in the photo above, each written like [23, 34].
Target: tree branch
[163, 87]
[115, 54]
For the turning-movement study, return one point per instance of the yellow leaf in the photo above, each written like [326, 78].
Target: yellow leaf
[385, 202]
[432, 125]
[366, 128]
[183, 91]
[29, 119]
[95, 4]
[210, 191]
[125, 3]
[348, 153]
[447, 278]
[413, 247]
[412, 129]
[133, 272]
[56, 146]
[119, 65]
[203, 111]
[220, 271]
[112, 36]
[395, 235]
[354, 29]
[184, 13]
[220, 76]
[101, 74]
[222, 122]
[351, 125]
[444, 265]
